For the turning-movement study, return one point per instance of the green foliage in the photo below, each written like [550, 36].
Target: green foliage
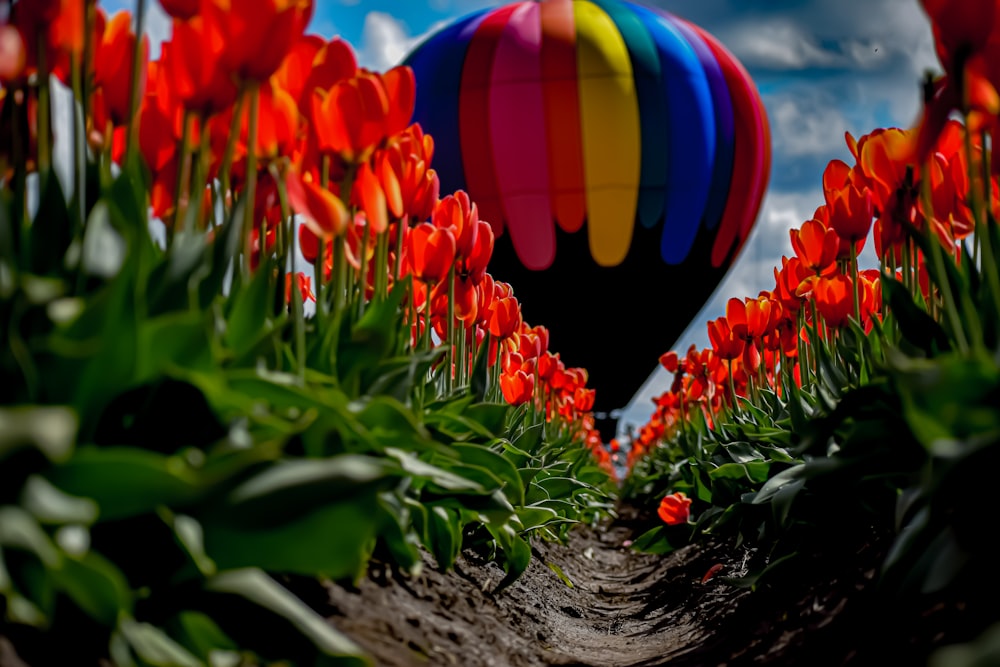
[169, 450]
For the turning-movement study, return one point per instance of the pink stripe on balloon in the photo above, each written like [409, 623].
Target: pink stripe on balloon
[517, 133]
[473, 103]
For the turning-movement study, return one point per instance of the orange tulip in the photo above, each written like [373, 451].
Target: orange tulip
[191, 64]
[725, 343]
[113, 68]
[305, 287]
[505, 317]
[357, 114]
[834, 299]
[325, 215]
[517, 387]
[431, 252]
[816, 247]
[248, 25]
[675, 509]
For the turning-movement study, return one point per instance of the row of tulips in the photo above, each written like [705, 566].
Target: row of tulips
[182, 446]
[846, 403]
[331, 142]
[783, 335]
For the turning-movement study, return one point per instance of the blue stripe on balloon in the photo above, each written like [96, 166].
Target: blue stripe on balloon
[439, 61]
[692, 136]
[653, 111]
[725, 133]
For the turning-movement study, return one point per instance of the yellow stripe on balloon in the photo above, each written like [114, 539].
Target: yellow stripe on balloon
[609, 119]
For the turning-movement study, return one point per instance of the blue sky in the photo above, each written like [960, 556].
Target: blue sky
[823, 67]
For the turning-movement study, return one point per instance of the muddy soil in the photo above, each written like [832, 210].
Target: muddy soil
[614, 607]
[595, 602]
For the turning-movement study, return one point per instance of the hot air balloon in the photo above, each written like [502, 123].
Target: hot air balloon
[621, 155]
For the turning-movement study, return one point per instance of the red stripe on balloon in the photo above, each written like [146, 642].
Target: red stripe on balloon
[473, 109]
[751, 154]
[562, 114]
[517, 130]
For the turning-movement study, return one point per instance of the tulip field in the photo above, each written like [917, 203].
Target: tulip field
[190, 427]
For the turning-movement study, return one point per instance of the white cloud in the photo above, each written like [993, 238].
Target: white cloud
[385, 41]
[778, 44]
[159, 27]
[805, 125]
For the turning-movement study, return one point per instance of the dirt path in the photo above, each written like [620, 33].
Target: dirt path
[623, 609]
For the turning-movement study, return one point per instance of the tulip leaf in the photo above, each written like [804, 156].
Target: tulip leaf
[330, 540]
[50, 429]
[498, 466]
[248, 318]
[50, 233]
[126, 481]
[96, 585]
[917, 327]
[154, 647]
[257, 587]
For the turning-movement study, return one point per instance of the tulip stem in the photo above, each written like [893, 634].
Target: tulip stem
[298, 315]
[381, 266]
[230, 150]
[362, 284]
[950, 307]
[451, 360]
[44, 113]
[135, 95]
[183, 183]
[79, 145]
[250, 188]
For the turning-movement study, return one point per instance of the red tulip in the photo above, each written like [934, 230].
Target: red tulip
[675, 509]
[517, 387]
[431, 252]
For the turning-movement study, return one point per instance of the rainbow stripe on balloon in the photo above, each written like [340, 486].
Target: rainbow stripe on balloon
[565, 111]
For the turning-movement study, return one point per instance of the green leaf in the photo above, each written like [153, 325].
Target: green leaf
[330, 540]
[794, 475]
[200, 634]
[916, 326]
[372, 339]
[290, 487]
[51, 430]
[562, 575]
[444, 534]
[654, 541]
[154, 647]
[96, 585]
[497, 465]
[439, 480]
[538, 516]
[127, 481]
[395, 529]
[50, 233]
[529, 439]
[174, 340]
[390, 423]
[250, 314]
[754, 472]
[50, 505]
[562, 487]
[20, 530]
[254, 585]
[516, 554]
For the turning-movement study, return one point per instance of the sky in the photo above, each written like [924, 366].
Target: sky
[823, 68]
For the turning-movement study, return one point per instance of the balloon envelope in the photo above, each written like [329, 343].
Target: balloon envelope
[619, 152]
